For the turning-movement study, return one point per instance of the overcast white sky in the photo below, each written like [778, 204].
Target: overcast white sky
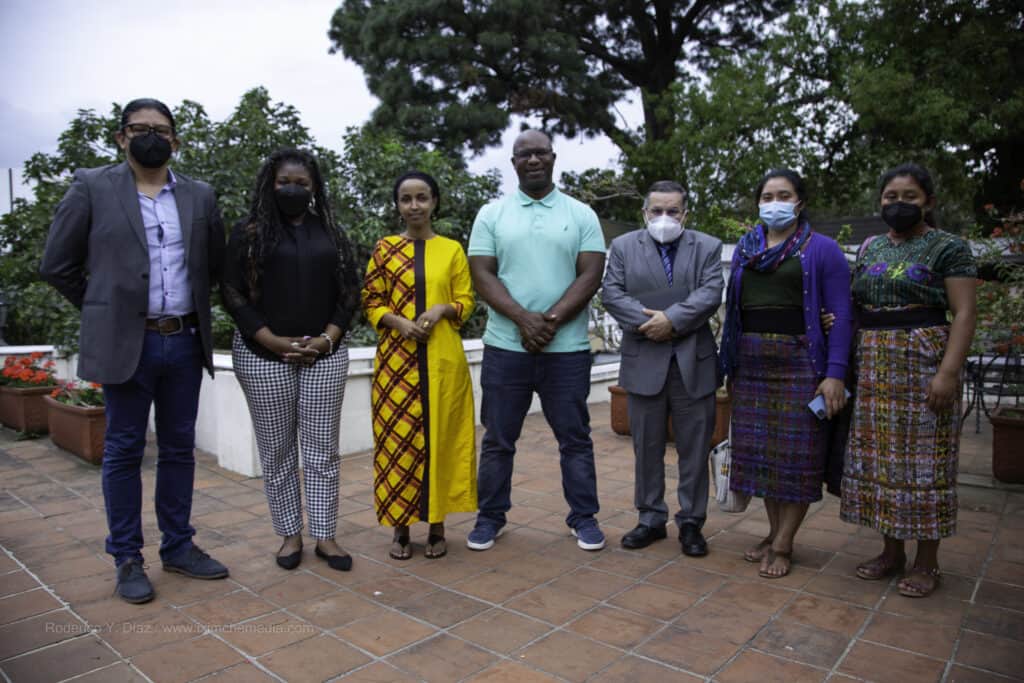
[58, 56]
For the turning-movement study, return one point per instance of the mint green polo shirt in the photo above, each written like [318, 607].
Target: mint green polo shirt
[536, 242]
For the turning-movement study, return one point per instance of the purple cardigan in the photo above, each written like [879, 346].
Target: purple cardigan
[826, 286]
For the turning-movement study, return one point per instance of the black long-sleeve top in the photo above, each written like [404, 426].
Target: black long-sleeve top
[300, 291]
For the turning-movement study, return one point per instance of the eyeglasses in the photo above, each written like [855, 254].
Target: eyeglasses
[525, 154]
[671, 213]
[163, 131]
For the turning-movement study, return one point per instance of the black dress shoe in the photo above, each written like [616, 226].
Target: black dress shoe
[132, 583]
[692, 541]
[642, 536]
[342, 563]
[289, 561]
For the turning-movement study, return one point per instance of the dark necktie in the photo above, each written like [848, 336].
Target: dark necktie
[666, 261]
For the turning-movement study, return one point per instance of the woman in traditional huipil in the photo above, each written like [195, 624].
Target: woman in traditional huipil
[417, 294]
[778, 357]
[901, 459]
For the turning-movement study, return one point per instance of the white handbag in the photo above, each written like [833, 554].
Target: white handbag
[721, 463]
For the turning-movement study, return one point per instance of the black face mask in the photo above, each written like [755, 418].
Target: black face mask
[901, 216]
[150, 150]
[292, 199]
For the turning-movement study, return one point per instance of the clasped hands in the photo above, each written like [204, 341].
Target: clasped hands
[298, 350]
[419, 330]
[658, 328]
[537, 330]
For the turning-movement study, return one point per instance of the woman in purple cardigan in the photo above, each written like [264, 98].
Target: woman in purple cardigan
[778, 358]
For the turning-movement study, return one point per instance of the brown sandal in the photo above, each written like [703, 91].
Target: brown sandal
[401, 548]
[776, 554]
[436, 547]
[910, 588]
[880, 567]
[757, 553]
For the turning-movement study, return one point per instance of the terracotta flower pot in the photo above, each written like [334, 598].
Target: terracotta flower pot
[1007, 437]
[620, 415]
[78, 429]
[23, 408]
[620, 410]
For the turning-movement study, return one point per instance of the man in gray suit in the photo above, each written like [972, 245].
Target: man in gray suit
[135, 247]
[662, 285]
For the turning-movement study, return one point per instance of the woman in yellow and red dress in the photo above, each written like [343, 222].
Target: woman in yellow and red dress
[417, 294]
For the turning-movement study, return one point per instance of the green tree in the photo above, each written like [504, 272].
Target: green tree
[943, 80]
[843, 90]
[452, 73]
[610, 193]
[227, 154]
[371, 161]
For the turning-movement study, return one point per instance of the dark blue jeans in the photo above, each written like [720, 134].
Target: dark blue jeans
[562, 380]
[169, 375]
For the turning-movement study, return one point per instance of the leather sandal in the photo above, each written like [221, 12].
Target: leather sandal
[757, 553]
[436, 547]
[911, 588]
[774, 555]
[401, 548]
[878, 568]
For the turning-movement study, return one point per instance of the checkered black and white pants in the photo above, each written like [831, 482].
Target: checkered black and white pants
[293, 404]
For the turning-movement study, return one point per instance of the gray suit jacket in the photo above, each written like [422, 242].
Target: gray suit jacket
[96, 256]
[635, 269]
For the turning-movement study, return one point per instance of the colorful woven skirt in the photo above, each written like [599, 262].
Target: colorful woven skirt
[777, 442]
[901, 459]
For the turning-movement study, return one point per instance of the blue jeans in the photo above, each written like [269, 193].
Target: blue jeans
[562, 380]
[169, 375]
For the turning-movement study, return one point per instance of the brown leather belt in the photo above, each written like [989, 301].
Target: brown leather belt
[172, 324]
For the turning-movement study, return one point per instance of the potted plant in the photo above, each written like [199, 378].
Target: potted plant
[1001, 332]
[620, 414]
[24, 383]
[1007, 436]
[77, 419]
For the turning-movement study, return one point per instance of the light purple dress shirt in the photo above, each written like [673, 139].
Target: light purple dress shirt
[169, 290]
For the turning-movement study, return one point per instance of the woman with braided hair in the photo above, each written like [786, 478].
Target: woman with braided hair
[292, 286]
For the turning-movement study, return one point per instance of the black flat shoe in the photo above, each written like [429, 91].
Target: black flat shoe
[342, 563]
[289, 561]
[692, 541]
[642, 536]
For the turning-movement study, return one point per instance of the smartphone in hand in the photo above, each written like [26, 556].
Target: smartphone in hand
[817, 405]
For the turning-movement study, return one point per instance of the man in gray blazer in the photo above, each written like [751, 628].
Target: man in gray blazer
[136, 247]
[663, 283]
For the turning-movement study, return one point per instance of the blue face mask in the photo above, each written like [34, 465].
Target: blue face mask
[777, 215]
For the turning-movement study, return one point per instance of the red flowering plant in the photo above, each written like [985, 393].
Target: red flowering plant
[84, 394]
[28, 371]
[1001, 285]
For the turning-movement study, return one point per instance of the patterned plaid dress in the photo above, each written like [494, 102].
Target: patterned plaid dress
[777, 443]
[901, 459]
[422, 397]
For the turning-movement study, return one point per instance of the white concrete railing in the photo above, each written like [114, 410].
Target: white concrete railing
[224, 427]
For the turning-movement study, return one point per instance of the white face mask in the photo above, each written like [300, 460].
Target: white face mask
[664, 229]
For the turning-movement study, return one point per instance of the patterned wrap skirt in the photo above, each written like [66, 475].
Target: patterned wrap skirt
[778, 445]
[901, 459]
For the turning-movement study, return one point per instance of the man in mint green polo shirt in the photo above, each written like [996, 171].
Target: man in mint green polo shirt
[537, 257]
